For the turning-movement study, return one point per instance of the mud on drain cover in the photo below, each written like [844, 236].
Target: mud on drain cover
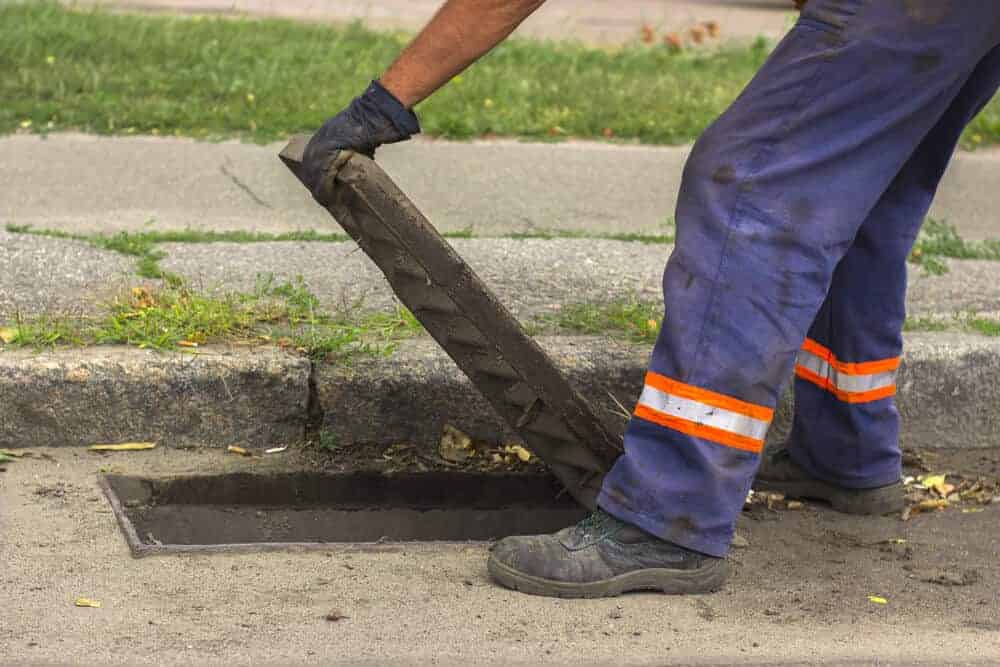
[303, 510]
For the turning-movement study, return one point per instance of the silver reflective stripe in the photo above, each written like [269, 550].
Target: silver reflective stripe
[852, 384]
[700, 413]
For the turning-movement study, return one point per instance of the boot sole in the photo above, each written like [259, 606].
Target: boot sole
[705, 579]
[867, 502]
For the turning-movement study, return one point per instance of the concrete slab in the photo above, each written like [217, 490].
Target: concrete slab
[532, 277]
[58, 276]
[83, 183]
[799, 594]
[595, 21]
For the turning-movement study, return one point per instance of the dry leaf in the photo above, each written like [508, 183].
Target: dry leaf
[238, 450]
[8, 334]
[123, 447]
[275, 450]
[455, 446]
[520, 452]
[87, 602]
[186, 343]
[877, 600]
[674, 41]
[794, 505]
[929, 505]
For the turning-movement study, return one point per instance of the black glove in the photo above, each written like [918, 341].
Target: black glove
[374, 118]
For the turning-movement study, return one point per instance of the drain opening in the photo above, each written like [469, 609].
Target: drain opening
[310, 509]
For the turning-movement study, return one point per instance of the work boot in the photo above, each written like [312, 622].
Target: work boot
[601, 557]
[779, 473]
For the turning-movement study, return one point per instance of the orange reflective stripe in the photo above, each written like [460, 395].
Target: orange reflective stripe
[846, 396]
[700, 430]
[848, 368]
[665, 384]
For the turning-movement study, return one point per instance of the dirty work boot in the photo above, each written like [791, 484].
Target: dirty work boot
[778, 473]
[601, 557]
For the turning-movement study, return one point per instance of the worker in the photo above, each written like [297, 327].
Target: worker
[797, 211]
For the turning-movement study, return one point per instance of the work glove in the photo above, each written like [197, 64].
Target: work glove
[374, 118]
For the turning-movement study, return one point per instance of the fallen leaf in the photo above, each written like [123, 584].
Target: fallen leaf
[6, 458]
[794, 505]
[938, 485]
[12, 453]
[973, 510]
[275, 450]
[87, 602]
[648, 34]
[877, 600]
[455, 446]
[186, 343]
[674, 41]
[930, 505]
[8, 334]
[238, 450]
[123, 447]
[713, 28]
[520, 452]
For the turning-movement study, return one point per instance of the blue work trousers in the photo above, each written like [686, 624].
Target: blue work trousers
[797, 211]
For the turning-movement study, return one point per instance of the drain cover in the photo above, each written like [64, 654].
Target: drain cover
[466, 319]
[247, 511]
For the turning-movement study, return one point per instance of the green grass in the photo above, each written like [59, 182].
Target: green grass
[175, 316]
[634, 320]
[262, 80]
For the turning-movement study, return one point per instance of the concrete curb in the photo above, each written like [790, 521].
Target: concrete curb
[78, 397]
[262, 397]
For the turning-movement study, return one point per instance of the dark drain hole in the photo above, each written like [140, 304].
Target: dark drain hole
[310, 509]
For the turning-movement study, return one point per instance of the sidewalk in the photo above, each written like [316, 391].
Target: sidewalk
[595, 21]
[81, 183]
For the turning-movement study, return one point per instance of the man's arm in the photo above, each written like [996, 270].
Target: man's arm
[459, 34]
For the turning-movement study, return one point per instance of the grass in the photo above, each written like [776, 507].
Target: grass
[175, 316]
[939, 239]
[262, 80]
[634, 320]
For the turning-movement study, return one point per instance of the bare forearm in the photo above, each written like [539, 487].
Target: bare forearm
[458, 35]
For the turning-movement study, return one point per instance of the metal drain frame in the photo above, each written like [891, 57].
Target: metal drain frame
[513, 373]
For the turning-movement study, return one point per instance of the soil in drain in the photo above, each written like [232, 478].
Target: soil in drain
[311, 508]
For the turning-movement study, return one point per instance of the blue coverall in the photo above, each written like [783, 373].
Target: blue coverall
[797, 211]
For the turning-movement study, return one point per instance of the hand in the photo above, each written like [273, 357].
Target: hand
[374, 118]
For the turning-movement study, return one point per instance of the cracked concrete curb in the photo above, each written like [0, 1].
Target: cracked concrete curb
[263, 397]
